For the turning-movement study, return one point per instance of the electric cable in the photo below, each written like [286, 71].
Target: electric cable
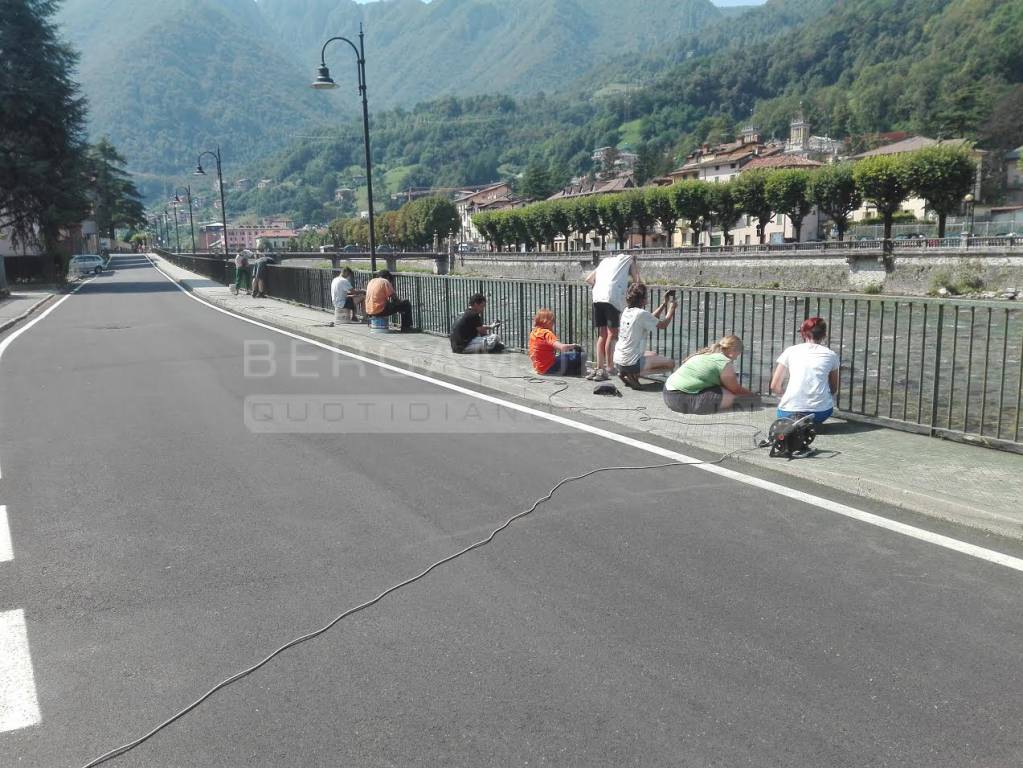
[127, 747]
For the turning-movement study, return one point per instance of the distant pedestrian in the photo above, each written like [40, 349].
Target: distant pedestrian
[806, 375]
[630, 355]
[259, 275]
[469, 335]
[346, 298]
[550, 356]
[241, 272]
[383, 301]
[609, 282]
[706, 382]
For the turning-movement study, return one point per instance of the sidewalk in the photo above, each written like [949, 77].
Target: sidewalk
[977, 487]
[20, 304]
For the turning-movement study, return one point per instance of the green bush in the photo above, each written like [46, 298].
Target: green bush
[873, 288]
[964, 278]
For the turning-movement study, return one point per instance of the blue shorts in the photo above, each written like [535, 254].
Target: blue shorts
[819, 417]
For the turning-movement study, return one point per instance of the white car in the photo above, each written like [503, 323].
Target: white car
[85, 263]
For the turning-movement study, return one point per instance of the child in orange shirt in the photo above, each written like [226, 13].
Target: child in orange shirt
[548, 354]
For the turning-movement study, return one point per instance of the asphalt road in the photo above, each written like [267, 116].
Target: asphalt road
[164, 536]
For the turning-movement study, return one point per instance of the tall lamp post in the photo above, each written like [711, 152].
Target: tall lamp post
[969, 200]
[177, 234]
[188, 199]
[323, 82]
[220, 180]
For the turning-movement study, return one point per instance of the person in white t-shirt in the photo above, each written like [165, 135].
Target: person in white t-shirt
[811, 370]
[630, 354]
[609, 282]
[346, 298]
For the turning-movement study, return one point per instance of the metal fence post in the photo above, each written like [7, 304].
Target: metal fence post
[419, 301]
[522, 312]
[937, 369]
[706, 319]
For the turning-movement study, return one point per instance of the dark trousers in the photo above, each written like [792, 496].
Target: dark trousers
[396, 306]
[568, 363]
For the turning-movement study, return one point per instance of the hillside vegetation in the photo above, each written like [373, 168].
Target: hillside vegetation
[940, 67]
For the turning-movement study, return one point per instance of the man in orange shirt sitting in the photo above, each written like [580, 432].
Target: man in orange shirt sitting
[382, 301]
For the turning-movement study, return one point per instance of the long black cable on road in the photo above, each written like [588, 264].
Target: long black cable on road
[351, 611]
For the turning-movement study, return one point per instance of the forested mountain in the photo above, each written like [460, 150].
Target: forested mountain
[940, 67]
[166, 78]
[417, 51]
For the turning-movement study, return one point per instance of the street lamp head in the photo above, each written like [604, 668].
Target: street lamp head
[323, 79]
[199, 171]
[177, 199]
[968, 198]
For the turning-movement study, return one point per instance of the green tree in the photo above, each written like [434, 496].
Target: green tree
[337, 232]
[429, 218]
[724, 209]
[616, 216]
[834, 192]
[560, 217]
[633, 205]
[750, 190]
[788, 192]
[116, 201]
[884, 181]
[659, 206]
[42, 123]
[536, 182]
[942, 176]
[692, 203]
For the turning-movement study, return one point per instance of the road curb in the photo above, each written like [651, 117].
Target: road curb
[6, 324]
[932, 507]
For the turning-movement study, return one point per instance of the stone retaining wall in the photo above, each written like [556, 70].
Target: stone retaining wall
[911, 275]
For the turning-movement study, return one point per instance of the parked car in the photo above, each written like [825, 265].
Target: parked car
[86, 263]
[385, 249]
[353, 248]
[1006, 234]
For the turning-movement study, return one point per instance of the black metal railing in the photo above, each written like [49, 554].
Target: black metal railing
[946, 367]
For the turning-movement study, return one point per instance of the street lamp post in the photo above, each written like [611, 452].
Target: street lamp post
[970, 201]
[177, 234]
[220, 180]
[188, 199]
[324, 81]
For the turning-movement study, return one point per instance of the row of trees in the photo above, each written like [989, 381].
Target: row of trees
[50, 177]
[941, 175]
[415, 225]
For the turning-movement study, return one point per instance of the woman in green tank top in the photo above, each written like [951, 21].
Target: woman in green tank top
[706, 381]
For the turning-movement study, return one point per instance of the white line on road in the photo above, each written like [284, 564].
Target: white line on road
[10, 339]
[6, 550]
[19, 707]
[963, 547]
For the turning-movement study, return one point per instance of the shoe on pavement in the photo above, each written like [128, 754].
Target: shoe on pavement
[600, 375]
[233, 289]
[589, 376]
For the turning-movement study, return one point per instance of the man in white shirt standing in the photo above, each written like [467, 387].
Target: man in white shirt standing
[609, 281]
[346, 298]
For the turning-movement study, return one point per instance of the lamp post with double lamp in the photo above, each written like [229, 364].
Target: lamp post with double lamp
[323, 82]
[188, 200]
[220, 180]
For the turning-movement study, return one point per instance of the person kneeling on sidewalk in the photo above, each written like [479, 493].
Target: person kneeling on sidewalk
[469, 335]
[630, 356]
[346, 298]
[550, 356]
[706, 382]
[241, 271]
[382, 301]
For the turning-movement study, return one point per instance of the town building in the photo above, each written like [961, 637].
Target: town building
[492, 197]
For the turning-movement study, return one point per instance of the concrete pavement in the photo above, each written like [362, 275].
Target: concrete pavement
[961, 483]
[20, 304]
[163, 539]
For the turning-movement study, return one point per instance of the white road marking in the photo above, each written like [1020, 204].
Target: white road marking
[6, 550]
[963, 547]
[19, 707]
[10, 339]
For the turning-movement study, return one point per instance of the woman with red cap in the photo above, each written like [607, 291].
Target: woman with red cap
[806, 375]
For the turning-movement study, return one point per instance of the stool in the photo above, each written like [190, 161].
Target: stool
[379, 325]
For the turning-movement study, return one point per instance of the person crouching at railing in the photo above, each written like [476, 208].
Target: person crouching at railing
[811, 369]
[636, 323]
[470, 335]
[382, 301]
[549, 355]
[706, 382]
